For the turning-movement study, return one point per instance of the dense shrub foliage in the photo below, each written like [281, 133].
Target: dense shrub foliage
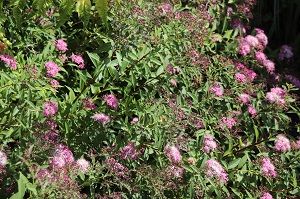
[143, 99]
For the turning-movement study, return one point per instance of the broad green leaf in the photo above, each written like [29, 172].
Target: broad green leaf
[65, 12]
[234, 163]
[160, 70]
[83, 7]
[102, 9]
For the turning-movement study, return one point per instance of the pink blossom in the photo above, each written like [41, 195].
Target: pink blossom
[244, 98]
[251, 40]
[173, 82]
[276, 96]
[172, 104]
[266, 196]
[177, 16]
[117, 168]
[260, 57]
[209, 143]
[285, 52]
[295, 145]
[282, 144]
[239, 77]
[176, 171]
[3, 159]
[262, 38]
[229, 122]
[268, 169]
[88, 103]
[111, 101]
[61, 45]
[78, 60]
[62, 156]
[251, 75]
[217, 91]
[9, 60]
[173, 153]
[83, 164]
[244, 47]
[279, 91]
[215, 169]
[128, 152]
[50, 108]
[52, 68]
[54, 83]
[270, 66]
[101, 117]
[252, 110]
[63, 58]
[134, 120]
[166, 8]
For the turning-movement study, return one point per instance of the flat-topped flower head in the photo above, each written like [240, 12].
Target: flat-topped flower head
[215, 170]
[101, 117]
[61, 45]
[52, 68]
[83, 165]
[282, 144]
[9, 60]
[173, 153]
[268, 169]
[78, 60]
[209, 143]
[3, 159]
[111, 101]
[50, 108]
[266, 196]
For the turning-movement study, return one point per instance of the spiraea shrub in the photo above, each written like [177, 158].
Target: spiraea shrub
[143, 99]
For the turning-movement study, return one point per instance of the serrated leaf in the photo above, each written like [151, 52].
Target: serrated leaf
[102, 9]
[65, 12]
[83, 8]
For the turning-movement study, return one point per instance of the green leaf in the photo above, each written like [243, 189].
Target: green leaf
[256, 132]
[83, 7]
[39, 6]
[102, 9]
[160, 70]
[234, 163]
[65, 12]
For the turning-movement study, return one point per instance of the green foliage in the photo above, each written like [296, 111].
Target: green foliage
[102, 9]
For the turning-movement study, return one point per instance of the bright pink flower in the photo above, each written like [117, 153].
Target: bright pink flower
[177, 16]
[50, 108]
[244, 47]
[134, 120]
[217, 91]
[52, 68]
[173, 153]
[173, 82]
[3, 159]
[262, 38]
[101, 117]
[215, 169]
[88, 103]
[251, 40]
[209, 143]
[260, 57]
[62, 156]
[78, 60]
[54, 83]
[239, 77]
[270, 66]
[276, 96]
[111, 101]
[295, 145]
[83, 164]
[9, 60]
[166, 8]
[244, 98]
[61, 45]
[266, 196]
[268, 169]
[279, 91]
[229, 122]
[128, 152]
[252, 110]
[282, 144]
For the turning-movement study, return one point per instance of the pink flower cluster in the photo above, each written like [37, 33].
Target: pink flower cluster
[229, 122]
[209, 143]
[3, 162]
[176, 171]
[172, 70]
[240, 78]
[83, 165]
[215, 169]
[250, 75]
[166, 8]
[218, 91]
[9, 60]
[252, 110]
[134, 120]
[295, 145]
[88, 103]
[238, 24]
[285, 52]
[128, 152]
[173, 153]
[111, 101]
[276, 96]
[244, 98]
[268, 169]
[52, 68]
[266, 196]
[54, 83]
[50, 108]
[61, 45]
[282, 144]
[62, 156]
[262, 59]
[101, 117]
[78, 60]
